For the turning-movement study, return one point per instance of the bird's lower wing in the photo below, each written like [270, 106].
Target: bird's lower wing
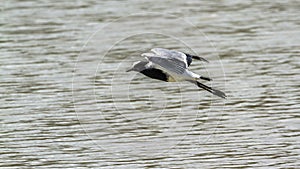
[209, 89]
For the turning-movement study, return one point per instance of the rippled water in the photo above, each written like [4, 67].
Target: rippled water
[66, 100]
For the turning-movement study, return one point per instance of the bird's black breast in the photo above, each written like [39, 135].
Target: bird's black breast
[155, 74]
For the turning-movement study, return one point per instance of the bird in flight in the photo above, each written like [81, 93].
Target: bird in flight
[172, 66]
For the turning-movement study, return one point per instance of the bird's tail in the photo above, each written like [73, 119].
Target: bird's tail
[209, 89]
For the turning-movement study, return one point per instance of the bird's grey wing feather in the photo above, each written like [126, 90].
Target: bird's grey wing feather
[170, 65]
[171, 54]
[148, 54]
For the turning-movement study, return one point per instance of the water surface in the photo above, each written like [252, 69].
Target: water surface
[66, 100]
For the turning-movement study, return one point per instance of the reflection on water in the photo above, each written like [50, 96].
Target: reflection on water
[56, 113]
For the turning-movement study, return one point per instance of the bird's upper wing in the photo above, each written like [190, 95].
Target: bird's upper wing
[171, 54]
[167, 62]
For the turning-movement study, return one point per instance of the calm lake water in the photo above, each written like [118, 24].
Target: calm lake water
[67, 102]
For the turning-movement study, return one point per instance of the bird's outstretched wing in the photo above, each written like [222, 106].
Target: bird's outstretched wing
[167, 62]
[198, 58]
[188, 58]
[170, 54]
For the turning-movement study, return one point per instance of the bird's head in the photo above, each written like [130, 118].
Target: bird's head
[138, 66]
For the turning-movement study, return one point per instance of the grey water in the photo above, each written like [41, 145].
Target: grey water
[67, 102]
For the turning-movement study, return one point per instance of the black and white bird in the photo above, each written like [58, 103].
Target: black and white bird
[172, 66]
